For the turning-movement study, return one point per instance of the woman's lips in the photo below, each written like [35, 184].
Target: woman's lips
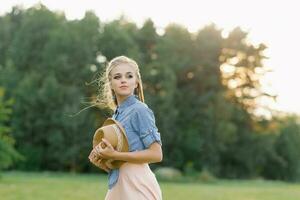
[123, 87]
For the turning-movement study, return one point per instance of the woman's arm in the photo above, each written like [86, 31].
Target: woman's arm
[151, 155]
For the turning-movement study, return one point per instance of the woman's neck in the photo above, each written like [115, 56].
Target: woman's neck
[121, 99]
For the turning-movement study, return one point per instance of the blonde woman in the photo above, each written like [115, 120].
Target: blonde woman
[123, 92]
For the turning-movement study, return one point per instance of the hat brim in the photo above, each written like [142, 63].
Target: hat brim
[98, 135]
[110, 121]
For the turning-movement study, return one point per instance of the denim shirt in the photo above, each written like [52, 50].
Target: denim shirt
[139, 123]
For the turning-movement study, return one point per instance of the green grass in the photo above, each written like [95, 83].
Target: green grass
[64, 186]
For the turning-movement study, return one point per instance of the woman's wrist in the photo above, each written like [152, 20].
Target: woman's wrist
[116, 155]
[124, 156]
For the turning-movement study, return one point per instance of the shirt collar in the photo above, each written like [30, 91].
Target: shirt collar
[127, 102]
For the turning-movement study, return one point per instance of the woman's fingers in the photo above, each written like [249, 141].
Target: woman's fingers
[98, 149]
[96, 155]
[93, 157]
[96, 160]
[107, 143]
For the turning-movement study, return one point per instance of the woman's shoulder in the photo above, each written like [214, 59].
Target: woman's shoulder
[141, 107]
[142, 116]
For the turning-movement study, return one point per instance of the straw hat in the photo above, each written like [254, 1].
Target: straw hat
[115, 134]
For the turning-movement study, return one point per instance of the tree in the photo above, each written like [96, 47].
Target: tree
[8, 154]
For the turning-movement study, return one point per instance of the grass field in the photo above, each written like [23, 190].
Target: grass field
[64, 186]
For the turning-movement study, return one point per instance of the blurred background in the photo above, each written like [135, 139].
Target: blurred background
[220, 76]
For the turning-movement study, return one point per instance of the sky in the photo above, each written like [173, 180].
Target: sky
[271, 22]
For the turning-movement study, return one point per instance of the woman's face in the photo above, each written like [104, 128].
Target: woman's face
[123, 80]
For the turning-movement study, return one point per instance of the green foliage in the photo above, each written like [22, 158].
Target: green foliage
[287, 148]
[8, 154]
[46, 77]
[118, 38]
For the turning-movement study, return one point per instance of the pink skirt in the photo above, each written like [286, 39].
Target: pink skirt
[135, 182]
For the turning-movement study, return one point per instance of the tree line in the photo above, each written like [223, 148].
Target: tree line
[204, 89]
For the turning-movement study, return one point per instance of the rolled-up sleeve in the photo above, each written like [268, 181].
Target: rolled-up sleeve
[144, 123]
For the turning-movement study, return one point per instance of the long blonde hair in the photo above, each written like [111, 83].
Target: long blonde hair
[106, 96]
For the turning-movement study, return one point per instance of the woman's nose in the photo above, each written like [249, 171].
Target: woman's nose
[123, 80]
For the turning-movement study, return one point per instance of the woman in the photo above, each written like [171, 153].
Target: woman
[123, 92]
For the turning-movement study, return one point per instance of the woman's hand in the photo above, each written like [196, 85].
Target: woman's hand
[105, 150]
[96, 160]
[93, 157]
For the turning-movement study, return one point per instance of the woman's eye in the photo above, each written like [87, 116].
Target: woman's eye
[128, 76]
